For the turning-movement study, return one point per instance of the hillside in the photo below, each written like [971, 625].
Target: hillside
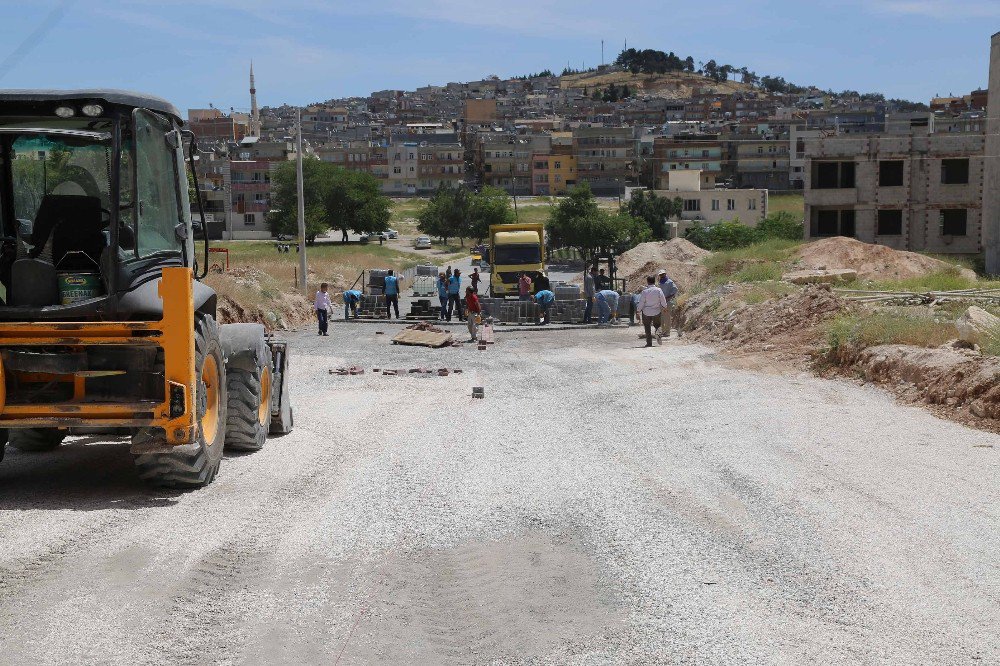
[672, 85]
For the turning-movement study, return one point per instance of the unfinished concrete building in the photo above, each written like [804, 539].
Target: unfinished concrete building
[920, 190]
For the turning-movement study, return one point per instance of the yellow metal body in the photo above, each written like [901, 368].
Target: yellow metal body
[174, 333]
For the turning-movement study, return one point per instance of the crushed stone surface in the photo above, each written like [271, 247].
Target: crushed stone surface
[602, 503]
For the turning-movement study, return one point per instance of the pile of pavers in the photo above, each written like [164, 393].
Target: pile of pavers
[562, 311]
[372, 306]
[423, 310]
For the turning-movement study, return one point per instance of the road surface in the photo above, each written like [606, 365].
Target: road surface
[602, 504]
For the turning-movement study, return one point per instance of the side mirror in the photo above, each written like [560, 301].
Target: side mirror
[181, 232]
[197, 227]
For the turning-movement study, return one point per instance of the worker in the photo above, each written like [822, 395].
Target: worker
[475, 277]
[322, 306]
[545, 298]
[455, 295]
[472, 311]
[602, 281]
[540, 283]
[607, 304]
[391, 295]
[524, 287]
[442, 286]
[588, 293]
[669, 289]
[351, 299]
[652, 304]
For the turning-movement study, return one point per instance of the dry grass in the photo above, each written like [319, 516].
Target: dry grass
[883, 327]
[787, 203]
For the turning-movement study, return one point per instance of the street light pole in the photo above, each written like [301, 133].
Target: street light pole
[301, 204]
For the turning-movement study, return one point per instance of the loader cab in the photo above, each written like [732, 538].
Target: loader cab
[93, 203]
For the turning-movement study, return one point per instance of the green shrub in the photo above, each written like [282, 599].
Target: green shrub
[855, 332]
[779, 225]
[729, 235]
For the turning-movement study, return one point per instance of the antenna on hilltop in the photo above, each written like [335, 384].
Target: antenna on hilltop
[602, 52]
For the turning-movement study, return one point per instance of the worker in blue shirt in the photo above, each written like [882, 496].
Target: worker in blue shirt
[351, 299]
[455, 295]
[607, 303]
[391, 294]
[442, 286]
[545, 298]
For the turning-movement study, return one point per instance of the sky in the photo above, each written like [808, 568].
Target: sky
[197, 52]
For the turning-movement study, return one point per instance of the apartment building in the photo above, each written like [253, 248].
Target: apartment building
[605, 157]
[688, 152]
[213, 125]
[505, 160]
[421, 163]
[918, 191]
[553, 174]
[711, 206]
[760, 162]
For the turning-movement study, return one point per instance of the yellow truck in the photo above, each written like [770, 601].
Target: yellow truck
[514, 249]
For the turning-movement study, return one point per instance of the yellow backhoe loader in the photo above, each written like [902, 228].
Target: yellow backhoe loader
[105, 326]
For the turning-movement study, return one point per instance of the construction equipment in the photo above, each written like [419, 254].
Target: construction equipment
[514, 249]
[105, 326]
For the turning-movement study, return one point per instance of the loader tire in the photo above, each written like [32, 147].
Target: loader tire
[36, 439]
[196, 464]
[4, 434]
[249, 413]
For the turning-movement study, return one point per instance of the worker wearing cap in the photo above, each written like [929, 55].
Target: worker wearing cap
[669, 290]
[607, 304]
[651, 306]
[545, 298]
[351, 299]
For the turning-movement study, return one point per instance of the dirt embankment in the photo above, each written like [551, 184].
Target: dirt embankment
[787, 327]
[679, 257]
[250, 295]
[954, 380]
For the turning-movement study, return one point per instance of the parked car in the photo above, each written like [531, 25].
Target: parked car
[364, 238]
[422, 243]
[391, 233]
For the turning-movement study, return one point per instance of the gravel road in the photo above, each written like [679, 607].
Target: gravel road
[602, 504]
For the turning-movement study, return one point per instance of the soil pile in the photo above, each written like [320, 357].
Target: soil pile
[872, 262]
[790, 324]
[679, 257]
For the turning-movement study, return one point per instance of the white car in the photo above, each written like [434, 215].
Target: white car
[391, 233]
[422, 243]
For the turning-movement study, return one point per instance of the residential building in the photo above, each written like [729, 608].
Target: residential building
[760, 162]
[918, 191]
[505, 160]
[553, 174]
[605, 158]
[711, 206]
[688, 152]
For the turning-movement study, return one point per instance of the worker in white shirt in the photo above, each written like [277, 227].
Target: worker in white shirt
[651, 305]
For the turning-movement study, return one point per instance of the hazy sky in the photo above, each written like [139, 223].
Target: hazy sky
[198, 51]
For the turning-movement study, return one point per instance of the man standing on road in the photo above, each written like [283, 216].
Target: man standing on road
[652, 304]
[322, 306]
[589, 290]
[442, 285]
[472, 310]
[669, 290]
[391, 295]
[607, 304]
[351, 299]
[524, 287]
[545, 298]
[455, 295]
[475, 277]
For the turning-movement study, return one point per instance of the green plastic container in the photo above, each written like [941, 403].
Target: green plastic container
[79, 286]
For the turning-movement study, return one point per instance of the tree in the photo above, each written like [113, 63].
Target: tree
[446, 214]
[488, 207]
[335, 198]
[579, 223]
[653, 210]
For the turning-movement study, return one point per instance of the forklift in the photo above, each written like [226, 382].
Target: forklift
[105, 325]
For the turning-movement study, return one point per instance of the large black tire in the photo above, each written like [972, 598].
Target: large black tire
[196, 464]
[248, 418]
[3, 441]
[36, 439]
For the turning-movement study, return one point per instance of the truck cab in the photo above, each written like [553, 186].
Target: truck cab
[514, 249]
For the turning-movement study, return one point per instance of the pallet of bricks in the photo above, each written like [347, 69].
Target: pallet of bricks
[424, 310]
[372, 306]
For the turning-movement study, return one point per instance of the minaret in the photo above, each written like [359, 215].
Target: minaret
[254, 112]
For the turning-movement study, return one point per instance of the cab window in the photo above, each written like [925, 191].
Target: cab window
[158, 209]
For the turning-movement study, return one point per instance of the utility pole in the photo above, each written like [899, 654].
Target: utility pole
[602, 52]
[302, 203]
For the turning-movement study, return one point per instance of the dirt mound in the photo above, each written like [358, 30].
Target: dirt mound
[249, 295]
[791, 324]
[872, 262]
[679, 257]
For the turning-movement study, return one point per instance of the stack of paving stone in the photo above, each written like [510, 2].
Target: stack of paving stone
[376, 280]
[566, 292]
[372, 306]
[423, 310]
